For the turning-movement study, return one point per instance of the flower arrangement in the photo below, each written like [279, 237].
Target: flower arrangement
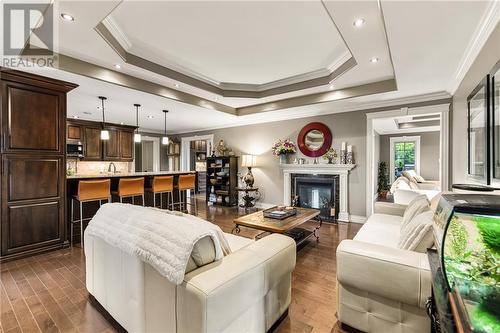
[283, 147]
[330, 154]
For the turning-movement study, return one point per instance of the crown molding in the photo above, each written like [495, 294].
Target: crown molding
[110, 31]
[489, 22]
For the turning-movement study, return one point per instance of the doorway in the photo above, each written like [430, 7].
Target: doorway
[406, 153]
[147, 154]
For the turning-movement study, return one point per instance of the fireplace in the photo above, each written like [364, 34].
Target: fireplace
[319, 191]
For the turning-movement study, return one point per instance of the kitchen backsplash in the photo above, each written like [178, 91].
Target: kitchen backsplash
[92, 168]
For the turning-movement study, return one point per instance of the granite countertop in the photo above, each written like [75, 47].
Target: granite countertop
[128, 174]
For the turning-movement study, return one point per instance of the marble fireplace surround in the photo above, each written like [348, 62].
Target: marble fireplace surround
[342, 170]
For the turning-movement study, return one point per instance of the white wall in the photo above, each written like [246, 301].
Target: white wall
[485, 61]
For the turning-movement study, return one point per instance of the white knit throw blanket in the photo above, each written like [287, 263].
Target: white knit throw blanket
[161, 238]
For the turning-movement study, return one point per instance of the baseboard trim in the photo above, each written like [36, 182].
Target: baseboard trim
[358, 219]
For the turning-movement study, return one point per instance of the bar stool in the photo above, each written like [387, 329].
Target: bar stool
[89, 190]
[163, 185]
[130, 188]
[186, 183]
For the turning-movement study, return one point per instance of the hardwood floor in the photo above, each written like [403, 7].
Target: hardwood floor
[47, 292]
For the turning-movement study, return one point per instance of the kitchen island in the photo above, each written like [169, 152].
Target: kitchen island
[90, 208]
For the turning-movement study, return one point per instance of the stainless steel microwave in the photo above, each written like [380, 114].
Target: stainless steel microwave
[74, 150]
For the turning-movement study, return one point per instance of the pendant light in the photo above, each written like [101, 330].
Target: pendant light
[164, 140]
[104, 132]
[137, 136]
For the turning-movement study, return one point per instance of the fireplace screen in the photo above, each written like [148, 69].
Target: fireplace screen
[317, 191]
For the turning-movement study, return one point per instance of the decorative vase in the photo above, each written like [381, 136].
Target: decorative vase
[349, 158]
[342, 156]
[284, 159]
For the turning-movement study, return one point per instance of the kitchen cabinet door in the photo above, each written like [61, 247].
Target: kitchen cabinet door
[111, 150]
[93, 145]
[126, 145]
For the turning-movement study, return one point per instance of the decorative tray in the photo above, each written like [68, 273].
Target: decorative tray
[279, 213]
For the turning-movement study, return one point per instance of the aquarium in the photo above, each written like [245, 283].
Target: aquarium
[467, 237]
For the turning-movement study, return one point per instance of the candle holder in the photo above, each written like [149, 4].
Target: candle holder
[349, 158]
[342, 156]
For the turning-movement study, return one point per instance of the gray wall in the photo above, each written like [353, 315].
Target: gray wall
[257, 139]
[485, 61]
[429, 152]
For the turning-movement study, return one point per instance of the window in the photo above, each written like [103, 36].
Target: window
[405, 155]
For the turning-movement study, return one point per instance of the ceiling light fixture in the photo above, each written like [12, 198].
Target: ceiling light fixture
[330, 87]
[118, 66]
[104, 131]
[374, 60]
[67, 17]
[137, 135]
[150, 116]
[75, 117]
[359, 22]
[176, 85]
[164, 140]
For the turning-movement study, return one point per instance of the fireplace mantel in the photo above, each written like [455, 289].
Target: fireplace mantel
[342, 170]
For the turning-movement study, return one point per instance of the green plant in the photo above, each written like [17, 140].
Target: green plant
[383, 178]
[457, 238]
[489, 228]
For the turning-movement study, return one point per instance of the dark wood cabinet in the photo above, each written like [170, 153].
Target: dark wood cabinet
[74, 132]
[33, 148]
[92, 144]
[111, 150]
[126, 145]
[119, 147]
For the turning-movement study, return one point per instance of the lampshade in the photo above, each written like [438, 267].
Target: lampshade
[164, 140]
[248, 161]
[137, 137]
[104, 134]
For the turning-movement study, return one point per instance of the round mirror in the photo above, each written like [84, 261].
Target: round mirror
[314, 139]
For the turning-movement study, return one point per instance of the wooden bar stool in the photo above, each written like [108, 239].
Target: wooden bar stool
[89, 190]
[163, 185]
[186, 183]
[130, 188]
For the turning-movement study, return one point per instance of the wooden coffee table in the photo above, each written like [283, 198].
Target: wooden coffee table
[287, 226]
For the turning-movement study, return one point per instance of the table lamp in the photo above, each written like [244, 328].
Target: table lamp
[249, 161]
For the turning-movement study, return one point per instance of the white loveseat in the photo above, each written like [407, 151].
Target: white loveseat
[382, 288]
[405, 190]
[247, 291]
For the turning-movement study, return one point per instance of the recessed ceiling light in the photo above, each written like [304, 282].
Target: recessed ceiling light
[150, 117]
[121, 123]
[330, 87]
[359, 22]
[117, 66]
[176, 85]
[374, 60]
[67, 17]
[75, 116]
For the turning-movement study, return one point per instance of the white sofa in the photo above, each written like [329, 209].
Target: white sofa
[405, 190]
[246, 291]
[382, 288]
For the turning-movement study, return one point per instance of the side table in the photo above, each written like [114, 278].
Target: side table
[248, 200]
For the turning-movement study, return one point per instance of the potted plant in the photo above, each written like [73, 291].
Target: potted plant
[330, 155]
[383, 180]
[283, 148]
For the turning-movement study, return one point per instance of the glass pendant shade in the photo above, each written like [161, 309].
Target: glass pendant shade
[104, 134]
[164, 139]
[137, 137]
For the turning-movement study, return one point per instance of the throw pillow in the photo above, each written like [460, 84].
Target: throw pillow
[407, 174]
[400, 183]
[417, 234]
[419, 178]
[418, 205]
[414, 186]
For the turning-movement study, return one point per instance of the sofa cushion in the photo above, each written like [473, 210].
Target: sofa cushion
[412, 176]
[204, 252]
[381, 229]
[417, 234]
[400, 183]
[418, 205]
